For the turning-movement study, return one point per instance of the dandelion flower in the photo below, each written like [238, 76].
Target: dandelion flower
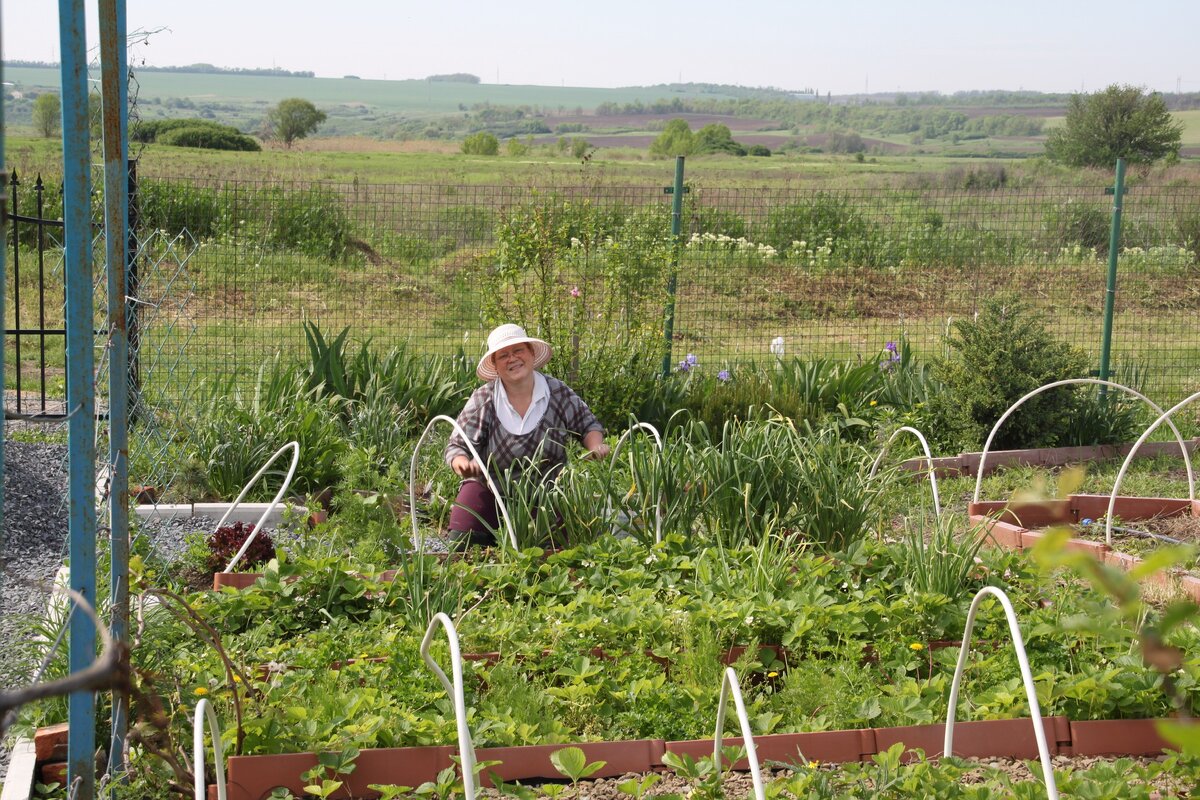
[874, 402]
[772, 674]
[916, 647]
[200, 691]
[813, 764]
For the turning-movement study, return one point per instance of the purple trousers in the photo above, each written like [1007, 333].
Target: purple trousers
[473, 516]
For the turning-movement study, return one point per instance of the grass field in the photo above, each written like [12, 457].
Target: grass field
[383, 96]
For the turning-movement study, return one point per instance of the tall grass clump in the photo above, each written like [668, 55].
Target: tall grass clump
[825, 219]
[940, 560]
[236, 430]
[837, 501]
[312, 221]
[204, 212]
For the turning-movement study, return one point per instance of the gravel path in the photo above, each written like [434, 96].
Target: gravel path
[34, 534]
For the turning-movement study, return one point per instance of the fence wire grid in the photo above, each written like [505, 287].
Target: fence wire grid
[831, 273]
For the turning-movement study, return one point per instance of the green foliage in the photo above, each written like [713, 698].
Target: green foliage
[1074, 223]
[1110, 416]
[1187, 228]
[47, 115]
[824, 218]
[235, 432]
[200, 210]
[758, 150]
[311, 221]
[849, 142]
[676, 139]
[294, 118]
[991, 362]
[580, 147]
[592, 284]
[716, 138]
[573, 764]
[939, 561]
[193, 133]
[1117, 122]
[481, 144]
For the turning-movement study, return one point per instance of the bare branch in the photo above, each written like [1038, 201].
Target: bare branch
[109, 671]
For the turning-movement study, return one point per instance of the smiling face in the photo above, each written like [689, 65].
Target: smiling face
[514, 363]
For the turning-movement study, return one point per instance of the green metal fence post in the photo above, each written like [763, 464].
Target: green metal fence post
[1110, 294]
[676, 228]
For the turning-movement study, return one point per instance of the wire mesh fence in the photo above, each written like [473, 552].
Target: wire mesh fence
[819, 273]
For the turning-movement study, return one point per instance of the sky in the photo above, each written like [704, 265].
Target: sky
[843, 47]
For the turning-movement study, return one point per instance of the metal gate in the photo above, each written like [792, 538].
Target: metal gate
[37, 337]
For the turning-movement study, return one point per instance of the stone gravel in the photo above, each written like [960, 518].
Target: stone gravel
[32, 543]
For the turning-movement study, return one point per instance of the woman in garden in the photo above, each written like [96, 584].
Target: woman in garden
[519, 422]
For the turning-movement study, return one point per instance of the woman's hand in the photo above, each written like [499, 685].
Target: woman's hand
[597, 448]
[465, 467]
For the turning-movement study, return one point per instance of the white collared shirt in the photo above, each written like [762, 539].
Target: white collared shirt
[508, 416]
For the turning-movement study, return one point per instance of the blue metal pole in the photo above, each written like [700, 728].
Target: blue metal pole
[114, 91]
[81, 390]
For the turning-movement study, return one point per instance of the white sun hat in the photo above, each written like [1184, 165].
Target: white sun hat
[506, 336]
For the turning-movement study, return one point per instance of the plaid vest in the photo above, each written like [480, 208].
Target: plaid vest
[545, 446]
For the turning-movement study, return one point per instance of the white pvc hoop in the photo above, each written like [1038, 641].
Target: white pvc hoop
[988, 444]
[729, 684]
[412, 478]
[204, 713]
[658, 519]
[937, 506]
[271, 506]
[1165, 416]
[466, 750]
[1035, 710]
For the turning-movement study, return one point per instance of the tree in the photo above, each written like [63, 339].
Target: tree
[676, 139]
[47, 115]
[481, 144]
[1118, 122]
[717, 138]
[294, 118]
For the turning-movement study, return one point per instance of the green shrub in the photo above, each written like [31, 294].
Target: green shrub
[758, 150]
[1073, 223]
[991, 362]
[481, 144]
[467, 224]
[193, 133]
[710, 219]
[235, 432]
[815, 221]
[312, 221]
[1108, 417]
[210, 139]
[202, 211]
[1187, 228]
